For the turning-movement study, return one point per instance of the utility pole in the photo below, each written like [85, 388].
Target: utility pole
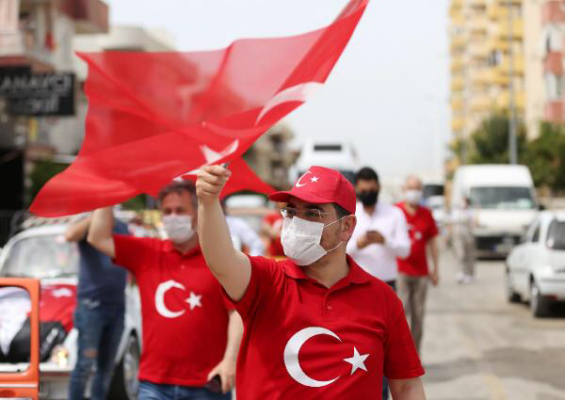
[513, 125]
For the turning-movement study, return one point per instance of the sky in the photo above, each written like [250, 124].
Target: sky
[388, 93]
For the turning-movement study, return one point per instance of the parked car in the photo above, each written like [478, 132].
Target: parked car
[504, 202]
[535, 270]
[43, 253]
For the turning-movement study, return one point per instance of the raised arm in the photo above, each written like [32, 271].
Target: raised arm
[231, 267]
[78, 230]
[100, 232]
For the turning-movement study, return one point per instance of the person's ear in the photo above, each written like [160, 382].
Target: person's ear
[347, 227]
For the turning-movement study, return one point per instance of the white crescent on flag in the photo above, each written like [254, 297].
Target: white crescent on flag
[301, 92]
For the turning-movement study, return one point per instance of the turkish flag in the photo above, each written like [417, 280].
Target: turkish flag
[153, 117]
[242, 179]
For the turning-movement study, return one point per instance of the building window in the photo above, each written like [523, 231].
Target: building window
[554, 86]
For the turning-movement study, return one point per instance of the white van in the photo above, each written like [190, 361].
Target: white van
[503, 201]
[331, 153]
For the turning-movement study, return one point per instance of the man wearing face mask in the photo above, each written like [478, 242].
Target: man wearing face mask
[316, 325]
[414, 272]
[380, 236]
[190, 334]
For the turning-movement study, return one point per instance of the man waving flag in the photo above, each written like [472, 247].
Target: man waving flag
[154, 117]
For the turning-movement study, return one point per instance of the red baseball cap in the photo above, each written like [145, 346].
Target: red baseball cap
[321, 185]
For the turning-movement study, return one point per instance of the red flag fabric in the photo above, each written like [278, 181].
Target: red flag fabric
[153, 117]
[242, 179]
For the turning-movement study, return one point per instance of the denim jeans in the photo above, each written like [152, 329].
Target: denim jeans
[153, 391]
[100, 327]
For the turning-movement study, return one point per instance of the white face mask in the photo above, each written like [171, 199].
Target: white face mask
[301, 240]
[178, 227]
[413, 197]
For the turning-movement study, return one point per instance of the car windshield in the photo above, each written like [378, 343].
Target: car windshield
[509, 198]
[556, 235]
[40, 257]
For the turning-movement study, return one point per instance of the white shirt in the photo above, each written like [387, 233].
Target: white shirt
[377, 259]
[243, 235]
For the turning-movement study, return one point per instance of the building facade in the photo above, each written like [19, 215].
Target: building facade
[487, 56]
[545, 47]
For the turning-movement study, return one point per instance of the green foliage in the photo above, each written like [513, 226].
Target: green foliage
[546, 157]
[489, 143]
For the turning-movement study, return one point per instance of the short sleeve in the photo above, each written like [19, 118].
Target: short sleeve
[263, 275]
[401, 357]
[133, 253]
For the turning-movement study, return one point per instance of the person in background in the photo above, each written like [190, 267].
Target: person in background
[466, 222]
[99, 315]
[414, 272]
[381, 234]
[243, 236]
[272, 228]
[190, 335]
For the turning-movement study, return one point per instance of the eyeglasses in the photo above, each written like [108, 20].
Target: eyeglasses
[310, 214]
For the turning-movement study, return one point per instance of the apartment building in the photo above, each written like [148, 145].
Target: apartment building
[487, 55]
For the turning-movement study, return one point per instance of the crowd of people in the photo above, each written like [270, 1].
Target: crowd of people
[335, 310]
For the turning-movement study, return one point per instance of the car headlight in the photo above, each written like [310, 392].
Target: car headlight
[60, 356]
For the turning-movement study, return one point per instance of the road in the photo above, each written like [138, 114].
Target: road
[479, 347]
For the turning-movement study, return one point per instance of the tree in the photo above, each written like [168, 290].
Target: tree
[489, 142]
[545, 157]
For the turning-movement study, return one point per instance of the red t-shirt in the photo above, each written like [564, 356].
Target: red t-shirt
[305, 341]
[421, 228]
[185, 316]
[275, 246]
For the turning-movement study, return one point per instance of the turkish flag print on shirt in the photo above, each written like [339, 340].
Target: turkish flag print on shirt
[153, 117]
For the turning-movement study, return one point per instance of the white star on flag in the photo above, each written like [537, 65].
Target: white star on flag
[357, 361]
[314, 179]
[194, 300]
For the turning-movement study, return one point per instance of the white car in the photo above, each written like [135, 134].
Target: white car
[43, 253]
[535, 269]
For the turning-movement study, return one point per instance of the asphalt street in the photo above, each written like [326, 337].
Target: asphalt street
[477, 346]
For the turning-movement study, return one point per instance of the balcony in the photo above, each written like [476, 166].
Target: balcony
[457, 84]
[457, 43]
[503, 100]
[554, 112]
[517, 31]
[495, 44]
[22, 49]
[480, 103]
[457, 124]
[553, 63]
[517, 64]
[457, 65]
[553, 13]
[90, 16]
[457, 104]
[484, 77]
[479, 49]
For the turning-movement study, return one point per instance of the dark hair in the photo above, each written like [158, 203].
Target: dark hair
[341, 212]
[366, 174]
[178, 187]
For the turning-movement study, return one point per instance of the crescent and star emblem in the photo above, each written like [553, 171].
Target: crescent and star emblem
[194, 300]
[314, 179]
[292, 351]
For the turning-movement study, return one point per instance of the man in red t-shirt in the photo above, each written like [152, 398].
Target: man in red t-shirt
[190, 333]
[316, 325]
[414, 273]
[272, 227]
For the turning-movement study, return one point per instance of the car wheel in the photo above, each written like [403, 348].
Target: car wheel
[511, 294]
[125, 384]
[538, 304]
